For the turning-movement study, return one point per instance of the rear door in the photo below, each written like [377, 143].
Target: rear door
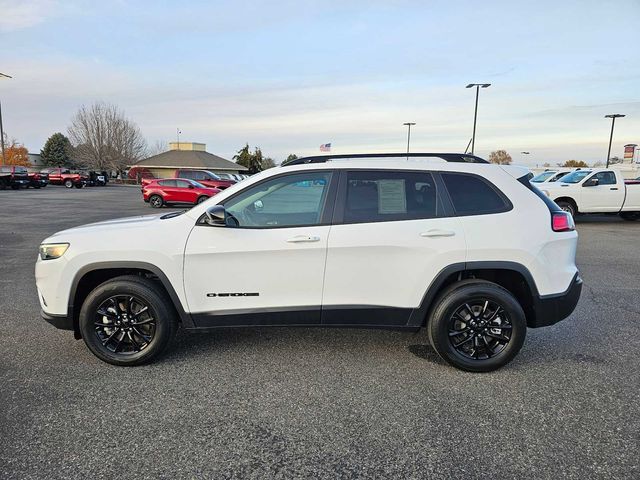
[606, 196]
[168, 188]
[389, 240]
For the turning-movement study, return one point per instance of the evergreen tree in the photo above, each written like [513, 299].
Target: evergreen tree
[56, 151]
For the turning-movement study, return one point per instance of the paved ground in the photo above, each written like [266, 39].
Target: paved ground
[315, 403]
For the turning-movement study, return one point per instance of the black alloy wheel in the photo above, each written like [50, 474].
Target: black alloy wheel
[124, 324]
[480, 329]
[477, 326]
[128, 320]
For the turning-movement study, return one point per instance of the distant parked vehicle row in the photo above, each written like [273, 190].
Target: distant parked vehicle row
[551, 175]
[170, 191]
[15, 177]
[205, 177]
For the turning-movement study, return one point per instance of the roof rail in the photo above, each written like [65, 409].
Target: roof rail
[448, 157]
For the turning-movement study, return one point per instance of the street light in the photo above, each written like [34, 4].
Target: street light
[2, 75]
[613, 117]
[475, 113]
[408, 124]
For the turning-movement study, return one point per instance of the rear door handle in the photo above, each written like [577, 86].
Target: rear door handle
[437, 233]
[303, 239]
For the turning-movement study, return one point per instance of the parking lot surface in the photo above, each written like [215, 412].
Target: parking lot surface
[314, 403]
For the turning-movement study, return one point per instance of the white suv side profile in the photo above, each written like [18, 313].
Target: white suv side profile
[469, 250]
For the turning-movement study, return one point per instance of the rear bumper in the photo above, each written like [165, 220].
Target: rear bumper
[62, 322]
[551, 309]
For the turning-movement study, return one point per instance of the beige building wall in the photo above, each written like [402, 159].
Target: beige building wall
[198, 147]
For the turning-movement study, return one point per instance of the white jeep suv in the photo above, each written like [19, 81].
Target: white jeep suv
[469, 250]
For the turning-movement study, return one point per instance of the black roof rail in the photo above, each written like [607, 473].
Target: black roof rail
[448, 157]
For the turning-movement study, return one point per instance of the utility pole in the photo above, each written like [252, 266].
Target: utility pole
[408, 124]
[613, 117]
[475, 112]
[2, 75]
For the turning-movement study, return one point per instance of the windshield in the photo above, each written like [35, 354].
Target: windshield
[541, 177]
[575, 177]
[197, 184]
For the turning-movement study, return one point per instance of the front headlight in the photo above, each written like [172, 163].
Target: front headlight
[49, 251]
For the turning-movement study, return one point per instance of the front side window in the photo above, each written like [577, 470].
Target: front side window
[182, 184]
[606, 178]
[472, 195]
[285, 201]
[381, 195]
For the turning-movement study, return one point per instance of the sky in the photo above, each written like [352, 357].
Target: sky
[288, 76]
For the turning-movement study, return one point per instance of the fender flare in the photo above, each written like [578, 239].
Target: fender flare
[185, 317]
[418, 316]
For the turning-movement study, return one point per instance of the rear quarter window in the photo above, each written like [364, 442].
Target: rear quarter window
[473, 195]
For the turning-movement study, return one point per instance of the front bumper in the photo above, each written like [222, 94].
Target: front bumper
[62, 322]
[550, 309]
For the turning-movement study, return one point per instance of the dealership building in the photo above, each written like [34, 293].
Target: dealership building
[183, 155]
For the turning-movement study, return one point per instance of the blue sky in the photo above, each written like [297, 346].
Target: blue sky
[290, 75]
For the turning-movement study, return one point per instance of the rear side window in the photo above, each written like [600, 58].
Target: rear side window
[379, 196]
[167, 183]
[473, 195]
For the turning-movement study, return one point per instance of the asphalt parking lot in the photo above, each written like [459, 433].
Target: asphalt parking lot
[313, 403]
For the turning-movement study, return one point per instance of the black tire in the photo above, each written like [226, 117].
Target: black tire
[15, 187]
[568, 207]
[79, 185]
[135, 338]
[156, 201]
[201, 199]
[630, 216]
[488, 344]
[68, 183]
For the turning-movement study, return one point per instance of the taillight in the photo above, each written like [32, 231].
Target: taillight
[562, 222]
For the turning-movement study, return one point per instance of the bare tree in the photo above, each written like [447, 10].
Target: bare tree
[104, 139]
[158, 147]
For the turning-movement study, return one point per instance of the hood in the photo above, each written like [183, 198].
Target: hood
[139, 221]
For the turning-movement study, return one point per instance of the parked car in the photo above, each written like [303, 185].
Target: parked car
[596, 190]
[549, 176]
[38, 179]
[96, 179]
[64, 176]
[205, 177]
[13, 176]
[176, 190]
[470, 250]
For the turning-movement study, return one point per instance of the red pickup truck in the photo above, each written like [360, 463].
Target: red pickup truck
[205, 177]
[63, 176]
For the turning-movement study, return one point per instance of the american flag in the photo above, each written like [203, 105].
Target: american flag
[325, 147]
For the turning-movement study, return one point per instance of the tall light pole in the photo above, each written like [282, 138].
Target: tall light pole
[2, 75]
[408, 124]
[475, 113]
[613, 117]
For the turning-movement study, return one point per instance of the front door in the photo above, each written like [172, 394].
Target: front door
[269, 268]
[606, 196]
[389, 241]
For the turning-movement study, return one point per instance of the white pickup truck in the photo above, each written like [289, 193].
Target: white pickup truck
[595, 190]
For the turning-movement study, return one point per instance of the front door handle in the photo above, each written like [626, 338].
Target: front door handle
[613, 188]
[303, 239]
[437, 233]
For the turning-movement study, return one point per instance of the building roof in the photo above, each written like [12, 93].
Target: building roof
[189, 159]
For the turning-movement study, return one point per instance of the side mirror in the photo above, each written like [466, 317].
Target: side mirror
[593, 182]
[191, 186]
[216, 216]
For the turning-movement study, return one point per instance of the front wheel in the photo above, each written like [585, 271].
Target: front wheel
[201, 199]
[127, 321]
[568, 207]
[477, 326]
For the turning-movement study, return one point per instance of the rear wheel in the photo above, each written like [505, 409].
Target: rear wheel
[156, 201]
[127, 321]
[477, 326]
[68, 183]
[630, 216]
